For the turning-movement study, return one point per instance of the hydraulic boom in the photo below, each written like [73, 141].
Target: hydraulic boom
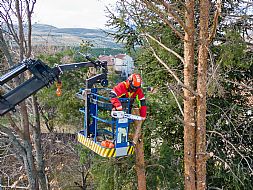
[43, 76]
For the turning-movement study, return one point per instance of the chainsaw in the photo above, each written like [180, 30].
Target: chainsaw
[122, 114]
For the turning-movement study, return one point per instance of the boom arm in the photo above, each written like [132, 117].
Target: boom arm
[43, 76]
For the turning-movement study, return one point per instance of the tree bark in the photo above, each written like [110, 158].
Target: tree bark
[189, 99]
[20, 31]
[139, 154]
[140, 165]
[28, 159]
[201, 99]
[19, 36]
[29, 22]
[38, 147]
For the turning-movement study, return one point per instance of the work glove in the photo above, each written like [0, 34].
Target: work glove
[119, 108]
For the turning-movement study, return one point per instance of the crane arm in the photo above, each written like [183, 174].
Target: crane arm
[43, 76]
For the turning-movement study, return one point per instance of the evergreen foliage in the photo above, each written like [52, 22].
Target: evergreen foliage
[229, 108]
[230, 118]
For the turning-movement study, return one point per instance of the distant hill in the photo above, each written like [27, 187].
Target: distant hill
[43, 34]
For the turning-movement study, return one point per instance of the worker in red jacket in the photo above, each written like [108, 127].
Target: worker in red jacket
[131, 88]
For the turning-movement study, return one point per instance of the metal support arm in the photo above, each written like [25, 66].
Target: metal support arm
[43, 76]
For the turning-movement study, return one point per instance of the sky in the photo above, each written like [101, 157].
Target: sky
[72, 13]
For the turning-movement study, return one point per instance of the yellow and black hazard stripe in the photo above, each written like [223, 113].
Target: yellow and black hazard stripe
[130, 150]
[102, 151]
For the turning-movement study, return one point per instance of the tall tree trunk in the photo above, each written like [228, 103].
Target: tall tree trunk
[38, 146]
[28, 159]
[201, 99]
[31, 169]
[189, 99]
[37, 128]
[139, 154]
[140, 164]
[30, 173]
[27, 156]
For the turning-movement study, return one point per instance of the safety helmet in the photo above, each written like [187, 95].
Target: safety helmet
[134, 81]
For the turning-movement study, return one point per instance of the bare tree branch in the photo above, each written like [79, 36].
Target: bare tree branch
[215, 21]
[170, 12]
[227, 165]
[14, 139]
[178, 104]
[14, 126]
[222, 136]
[172, 73]
[162, 16]
[174, 15]
[166, 48]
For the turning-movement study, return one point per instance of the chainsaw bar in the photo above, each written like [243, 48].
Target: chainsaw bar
[122, 114]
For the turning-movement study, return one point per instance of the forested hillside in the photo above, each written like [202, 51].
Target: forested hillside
[53, 36]
[196, 62]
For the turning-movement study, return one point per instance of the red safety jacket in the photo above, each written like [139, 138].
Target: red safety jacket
[122, 91]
